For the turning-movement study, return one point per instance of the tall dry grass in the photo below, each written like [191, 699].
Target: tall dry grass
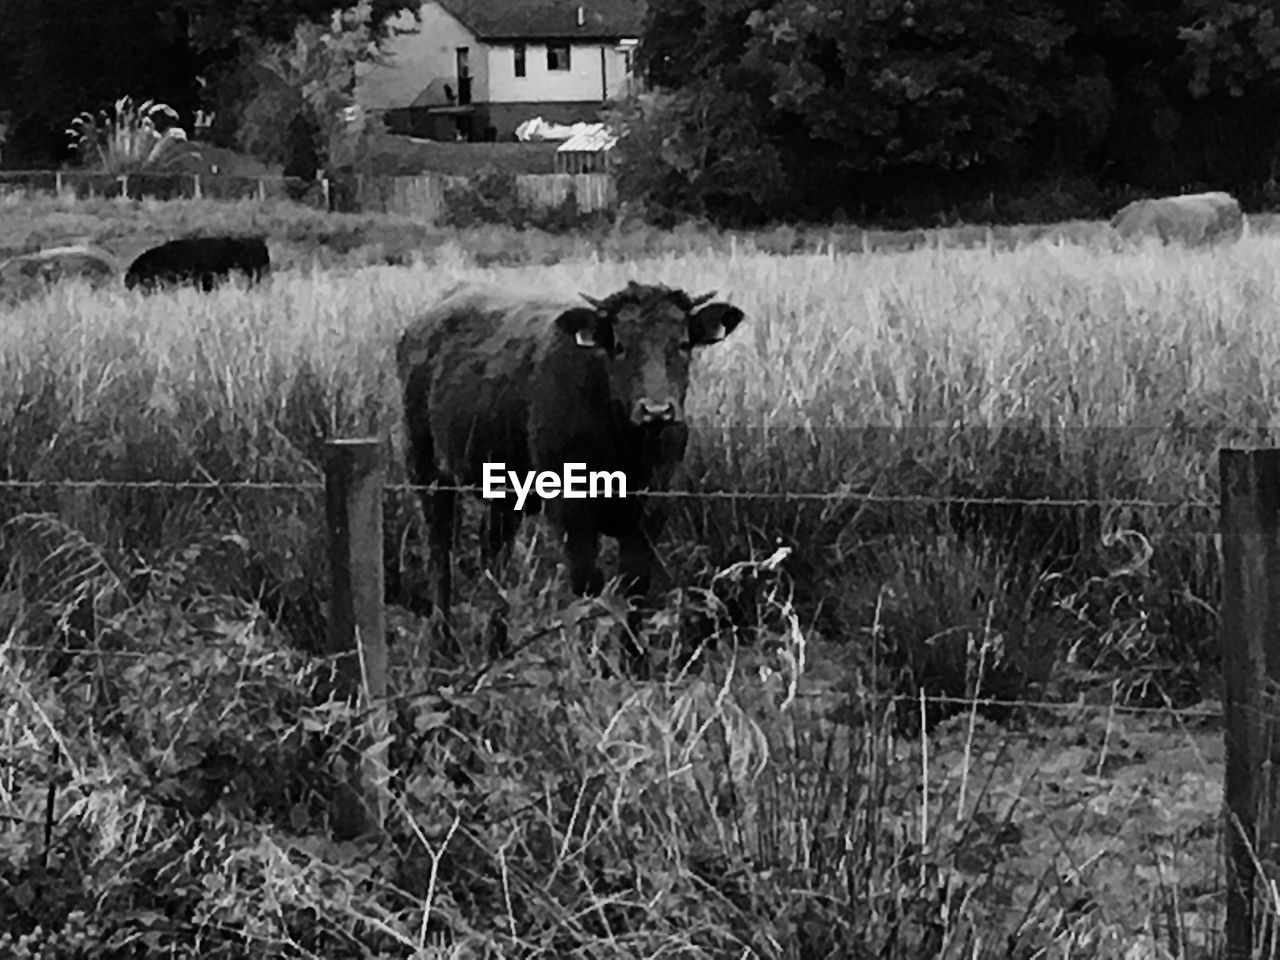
[1045, 371]
[700, 817]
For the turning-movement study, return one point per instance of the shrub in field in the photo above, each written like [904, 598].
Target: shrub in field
[491, 197]
[134, 138]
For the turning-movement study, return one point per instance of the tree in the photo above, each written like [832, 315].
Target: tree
[233, 36]
[1232, 51]
[911, 107]
[303, 111]
[61, 57]
[855, 99]
[709, 164]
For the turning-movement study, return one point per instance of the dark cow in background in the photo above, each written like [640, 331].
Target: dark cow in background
[203, 261]
[491, 375]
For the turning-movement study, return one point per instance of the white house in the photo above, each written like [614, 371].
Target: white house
[478, 68]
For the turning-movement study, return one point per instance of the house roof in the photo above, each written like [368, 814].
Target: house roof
[548, 19]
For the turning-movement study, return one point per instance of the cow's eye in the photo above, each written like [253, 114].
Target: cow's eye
[619, 350]
[685, 347]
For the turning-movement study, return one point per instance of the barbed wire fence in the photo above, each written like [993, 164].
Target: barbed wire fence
[319, 486]
[848, 495]
[323, 484]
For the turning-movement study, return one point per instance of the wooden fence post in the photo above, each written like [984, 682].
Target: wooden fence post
[354, 479]
[1250, 637]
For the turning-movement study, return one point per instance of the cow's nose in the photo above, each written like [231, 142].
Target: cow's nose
[649, 412]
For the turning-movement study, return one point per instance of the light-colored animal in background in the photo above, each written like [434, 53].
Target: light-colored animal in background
[27, 274]
[1194, 219]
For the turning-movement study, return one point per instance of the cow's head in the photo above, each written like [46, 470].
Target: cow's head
[646, 335]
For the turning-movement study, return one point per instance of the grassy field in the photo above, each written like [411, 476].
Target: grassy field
[302, 236]
[542, 810]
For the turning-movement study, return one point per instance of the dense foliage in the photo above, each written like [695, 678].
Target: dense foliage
[61, 57]
[781, 110]
[1024, 110]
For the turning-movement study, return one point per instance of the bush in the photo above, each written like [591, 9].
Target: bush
[492, 197]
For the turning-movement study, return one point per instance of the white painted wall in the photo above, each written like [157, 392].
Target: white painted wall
[420, 59]
[586, 79]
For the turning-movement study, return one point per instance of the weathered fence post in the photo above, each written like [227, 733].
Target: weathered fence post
[196, 189]
[124, 185]
[1250, 637]
[357, 625]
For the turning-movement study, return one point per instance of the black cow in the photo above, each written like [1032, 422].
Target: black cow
[203, 261]
[492, 375]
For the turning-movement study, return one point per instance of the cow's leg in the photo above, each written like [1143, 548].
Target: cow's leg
[582, 546]
[636, 558]
[503, 525]
[443, 514]
[635, 562]
[438, 506]
[496, 548]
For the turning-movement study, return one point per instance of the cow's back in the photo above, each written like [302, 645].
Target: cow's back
[1194, 218]
[1146, 216]
[167, 261]
[467, 368]
[188, 258]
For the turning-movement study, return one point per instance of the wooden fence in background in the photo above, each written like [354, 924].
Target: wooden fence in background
[593, 191]
[422, 197]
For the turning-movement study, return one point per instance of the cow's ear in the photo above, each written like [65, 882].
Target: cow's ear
[586, 326]
[713, 323]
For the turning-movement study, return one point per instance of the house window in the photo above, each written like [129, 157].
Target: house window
[519, 59]
[558, 56]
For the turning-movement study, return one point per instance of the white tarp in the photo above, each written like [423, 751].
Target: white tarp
[539, 129]
[595, 140]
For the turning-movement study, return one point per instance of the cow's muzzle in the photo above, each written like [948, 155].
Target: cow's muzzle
[647, 411]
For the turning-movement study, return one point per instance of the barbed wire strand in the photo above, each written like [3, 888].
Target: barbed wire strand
[832, 496]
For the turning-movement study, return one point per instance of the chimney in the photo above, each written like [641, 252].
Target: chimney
[582, 18]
